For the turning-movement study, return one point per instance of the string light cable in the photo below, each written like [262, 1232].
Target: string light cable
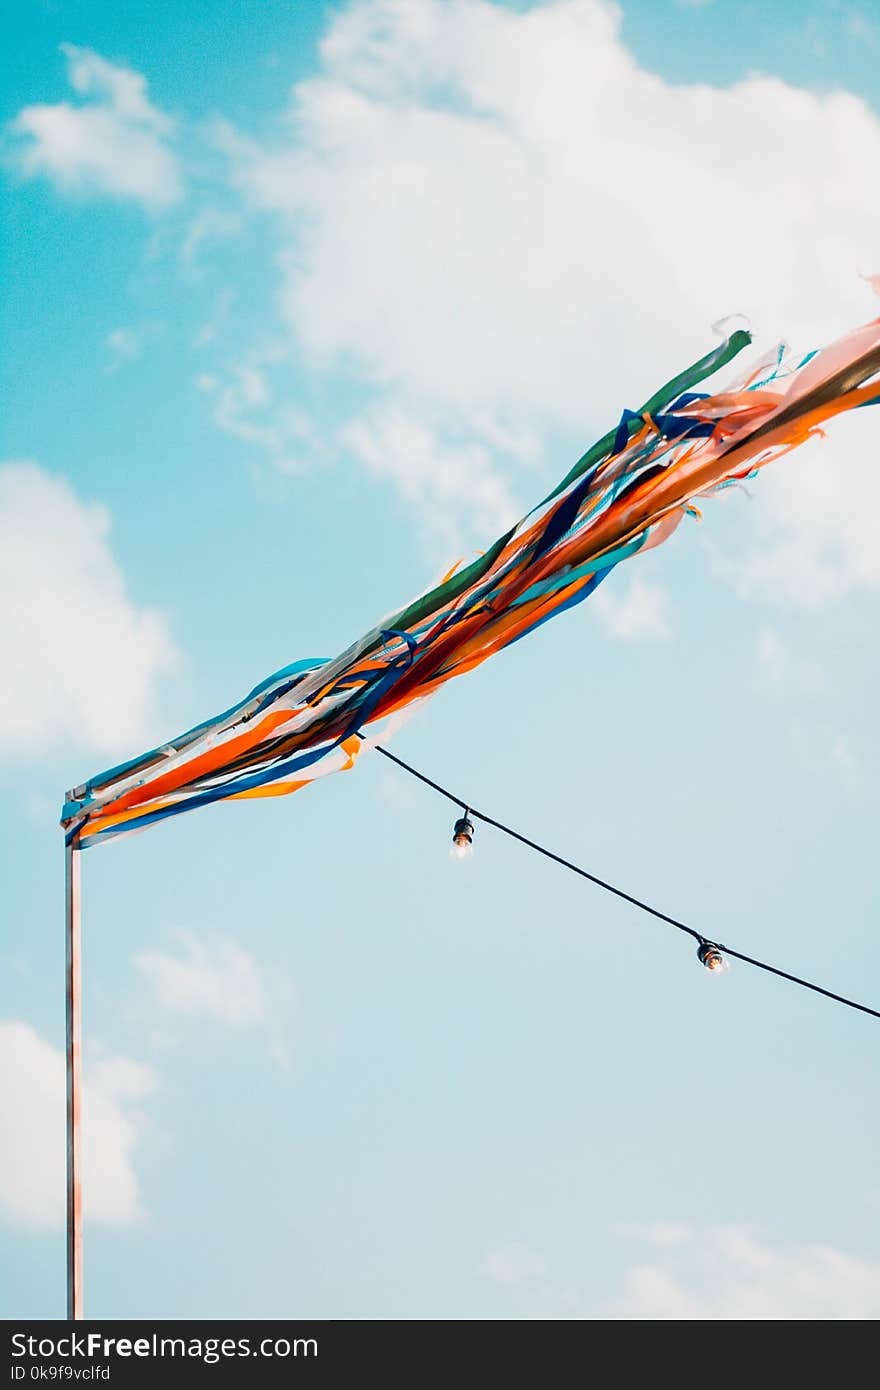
[711, 954]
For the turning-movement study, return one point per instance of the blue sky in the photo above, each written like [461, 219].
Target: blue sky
[301, 304]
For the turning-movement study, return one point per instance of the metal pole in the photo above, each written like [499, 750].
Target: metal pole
[73, 943]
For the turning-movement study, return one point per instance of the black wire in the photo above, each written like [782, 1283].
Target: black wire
[548, 853]
[468, 807]
[796, 980]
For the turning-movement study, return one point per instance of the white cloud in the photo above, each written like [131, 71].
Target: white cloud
[859, 27]
[124, 344]
[472, 227]
[726, 1274]
[220, 980]
[818, 540]
[690, 1273]
[664, 1232]
[844, 758]
[246, 407]
[216, 320]
[114, 142]
[512, 1264]
[773, 654]
[495, 211]
[80, 660]
[210, 224]
[638, 613]
[781, 666]
[32, 1159]
[453, 485]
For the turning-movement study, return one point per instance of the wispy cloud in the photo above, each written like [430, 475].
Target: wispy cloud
[81, 660]
[726, 1273]
[781, 665]
[218, 980]
[844, 758]
[215, 978]
[632, 612]
[816, 535]
[115, 141]
[246, 406]
[773, 655]
[124, 344]
[512, 1264]
[32, 1096]
[210, 224]
[452, 484]
[455, 230]
[689, 1273]
[861, 28]
[215, 323]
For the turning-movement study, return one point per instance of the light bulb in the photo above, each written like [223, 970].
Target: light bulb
[709, 956]
[462, 838]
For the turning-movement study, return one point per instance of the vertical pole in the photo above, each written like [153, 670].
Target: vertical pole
[73, 942]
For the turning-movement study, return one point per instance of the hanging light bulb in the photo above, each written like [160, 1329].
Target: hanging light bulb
[462, 837]
[709, 955]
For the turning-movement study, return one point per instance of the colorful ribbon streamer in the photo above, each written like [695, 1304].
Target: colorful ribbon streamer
[625, 495]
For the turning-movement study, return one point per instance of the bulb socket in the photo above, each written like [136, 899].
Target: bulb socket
[709, 955]
[463, 831]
